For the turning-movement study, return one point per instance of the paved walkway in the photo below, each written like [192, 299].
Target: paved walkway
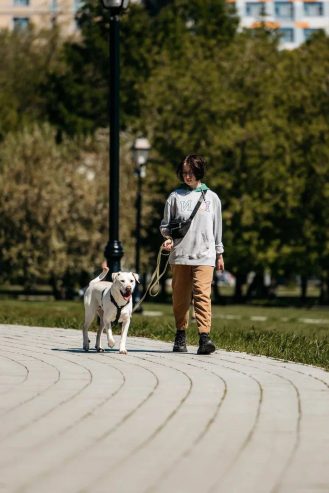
[154, 421]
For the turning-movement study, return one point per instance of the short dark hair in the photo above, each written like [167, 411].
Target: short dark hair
[197, 164]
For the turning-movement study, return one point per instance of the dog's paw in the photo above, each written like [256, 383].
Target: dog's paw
[99, 349]
[111, 344]
[86, 348]
[123, 351]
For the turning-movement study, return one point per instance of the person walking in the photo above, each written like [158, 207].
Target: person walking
[194, 256]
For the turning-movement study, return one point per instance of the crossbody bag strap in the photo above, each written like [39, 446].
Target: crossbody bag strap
[196, 208]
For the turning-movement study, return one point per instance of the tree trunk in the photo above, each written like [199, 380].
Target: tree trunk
[57, 288]
[239, 280]
[257, 288]
[215, 288]
[323, 290]
[303, 286]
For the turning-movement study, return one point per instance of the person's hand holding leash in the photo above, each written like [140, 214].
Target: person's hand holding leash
[168, 245]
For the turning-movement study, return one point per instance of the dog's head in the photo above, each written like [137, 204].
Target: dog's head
[125, 282]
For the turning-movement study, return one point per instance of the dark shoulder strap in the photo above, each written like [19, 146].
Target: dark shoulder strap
[196, 208]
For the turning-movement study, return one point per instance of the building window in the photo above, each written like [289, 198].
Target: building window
[313, 9]
[77, 4]
[21, 3]
[20, 23]
[287, 34]
[309, 32]
[53, 5]
[255, 9]
[284, 10]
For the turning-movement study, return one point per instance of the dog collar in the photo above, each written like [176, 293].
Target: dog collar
[119, 309]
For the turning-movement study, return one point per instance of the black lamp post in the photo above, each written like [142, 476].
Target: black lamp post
[113, 250]
[140, 150]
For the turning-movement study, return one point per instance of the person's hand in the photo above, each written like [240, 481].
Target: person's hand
[168, 245]
[220, 263]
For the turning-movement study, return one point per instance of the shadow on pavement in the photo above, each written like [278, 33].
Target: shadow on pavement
[79, 350]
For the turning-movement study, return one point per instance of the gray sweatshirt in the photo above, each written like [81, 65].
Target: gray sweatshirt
[203, 241]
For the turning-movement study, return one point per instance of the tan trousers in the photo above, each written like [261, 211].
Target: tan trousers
[188, 280]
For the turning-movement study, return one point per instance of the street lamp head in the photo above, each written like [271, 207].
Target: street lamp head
[115, 4]
[140, 150]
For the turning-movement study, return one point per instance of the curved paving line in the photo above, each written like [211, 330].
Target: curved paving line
[251, 432]
[297, 431]
[101, 437]
[78, 421]
[61, 403]
[253, 428]
[277, 485]
[307, 375]
[95, 407]
[37, 394]
[102, 402]
[212, 419]
[26, 376]
[202, 433]
[246, 441]
[284, 365]
[99, 404]
[153, 434]
[298, 423]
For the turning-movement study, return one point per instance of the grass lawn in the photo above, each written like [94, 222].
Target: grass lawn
[294, 334]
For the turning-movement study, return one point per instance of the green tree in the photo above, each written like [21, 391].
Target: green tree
[77, 91]
[26, 58]
[242, 110]
[212, 106]
[154, 6]
[54, 208]
[306, 103]
[77, 94]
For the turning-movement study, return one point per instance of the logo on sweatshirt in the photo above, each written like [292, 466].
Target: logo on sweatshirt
[186, 206]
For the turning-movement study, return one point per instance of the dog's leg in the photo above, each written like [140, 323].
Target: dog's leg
[102, 324]
[100, 313]
[98, 345]
[86, 339]
[109, 334]
[124, 332]
[89, 317]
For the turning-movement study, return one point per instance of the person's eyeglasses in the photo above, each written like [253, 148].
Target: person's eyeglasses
[189, 173]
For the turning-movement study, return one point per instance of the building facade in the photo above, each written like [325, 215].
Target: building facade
[296, 20]
[18, 14]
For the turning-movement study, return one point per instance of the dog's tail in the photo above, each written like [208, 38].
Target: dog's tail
[101, 276]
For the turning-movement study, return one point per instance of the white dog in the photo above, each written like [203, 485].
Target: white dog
[112, 301]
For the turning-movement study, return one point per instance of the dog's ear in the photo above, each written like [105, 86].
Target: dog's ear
[114, 275]
[136, 276]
